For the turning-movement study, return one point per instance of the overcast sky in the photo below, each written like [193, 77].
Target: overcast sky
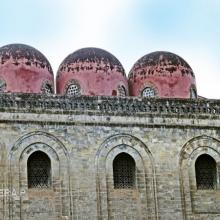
[128, 29]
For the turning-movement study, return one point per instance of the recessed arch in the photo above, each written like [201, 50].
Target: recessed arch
[19, 155]
[144, 162]
[192, 197]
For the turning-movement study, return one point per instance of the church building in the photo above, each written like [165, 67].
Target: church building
[95, 143]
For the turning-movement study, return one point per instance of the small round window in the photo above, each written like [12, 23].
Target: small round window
[121, 91]
[2, 85]
[73, 89]
[148, 92]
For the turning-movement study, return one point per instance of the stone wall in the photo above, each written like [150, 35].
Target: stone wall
[82, 143]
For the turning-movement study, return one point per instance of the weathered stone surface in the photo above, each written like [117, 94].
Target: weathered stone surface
[83, 135]
[24, 69]
[166, 73]
[95, 71]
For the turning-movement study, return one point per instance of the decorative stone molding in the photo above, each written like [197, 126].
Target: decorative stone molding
[109, 149]
[107, 105]
[196, 201]
[18, 157]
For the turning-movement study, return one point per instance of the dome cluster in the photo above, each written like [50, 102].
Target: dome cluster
[95, 72]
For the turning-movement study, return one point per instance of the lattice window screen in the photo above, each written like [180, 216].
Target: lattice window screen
[121, 91]
[124, 171]
[39, 170]
[148, 92]
[73, 89]
[48, 89]
[205, 172]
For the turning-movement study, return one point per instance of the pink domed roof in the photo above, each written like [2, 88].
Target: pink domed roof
[91, 71]
[24, 69]
[162, 74]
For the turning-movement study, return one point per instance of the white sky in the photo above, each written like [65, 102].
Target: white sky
[128, 29]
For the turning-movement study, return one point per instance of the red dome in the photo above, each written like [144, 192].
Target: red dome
[162, 74]
[24, 69]
[91, 71]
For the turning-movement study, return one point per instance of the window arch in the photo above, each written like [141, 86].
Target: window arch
[73, 89]
[47, 88]
[39, 170]
[121, 91]
[205, 167]
[148, 92]
[124, 171]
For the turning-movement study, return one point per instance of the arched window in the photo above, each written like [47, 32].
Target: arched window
[148, 92]
[48, 89]
[39, 170]
[121, 91]
[124, 171]
[205, 167]
[73, 89]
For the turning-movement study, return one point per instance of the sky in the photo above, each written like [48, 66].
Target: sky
[129, 29]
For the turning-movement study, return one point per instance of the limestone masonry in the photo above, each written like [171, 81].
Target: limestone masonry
[104, 146]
